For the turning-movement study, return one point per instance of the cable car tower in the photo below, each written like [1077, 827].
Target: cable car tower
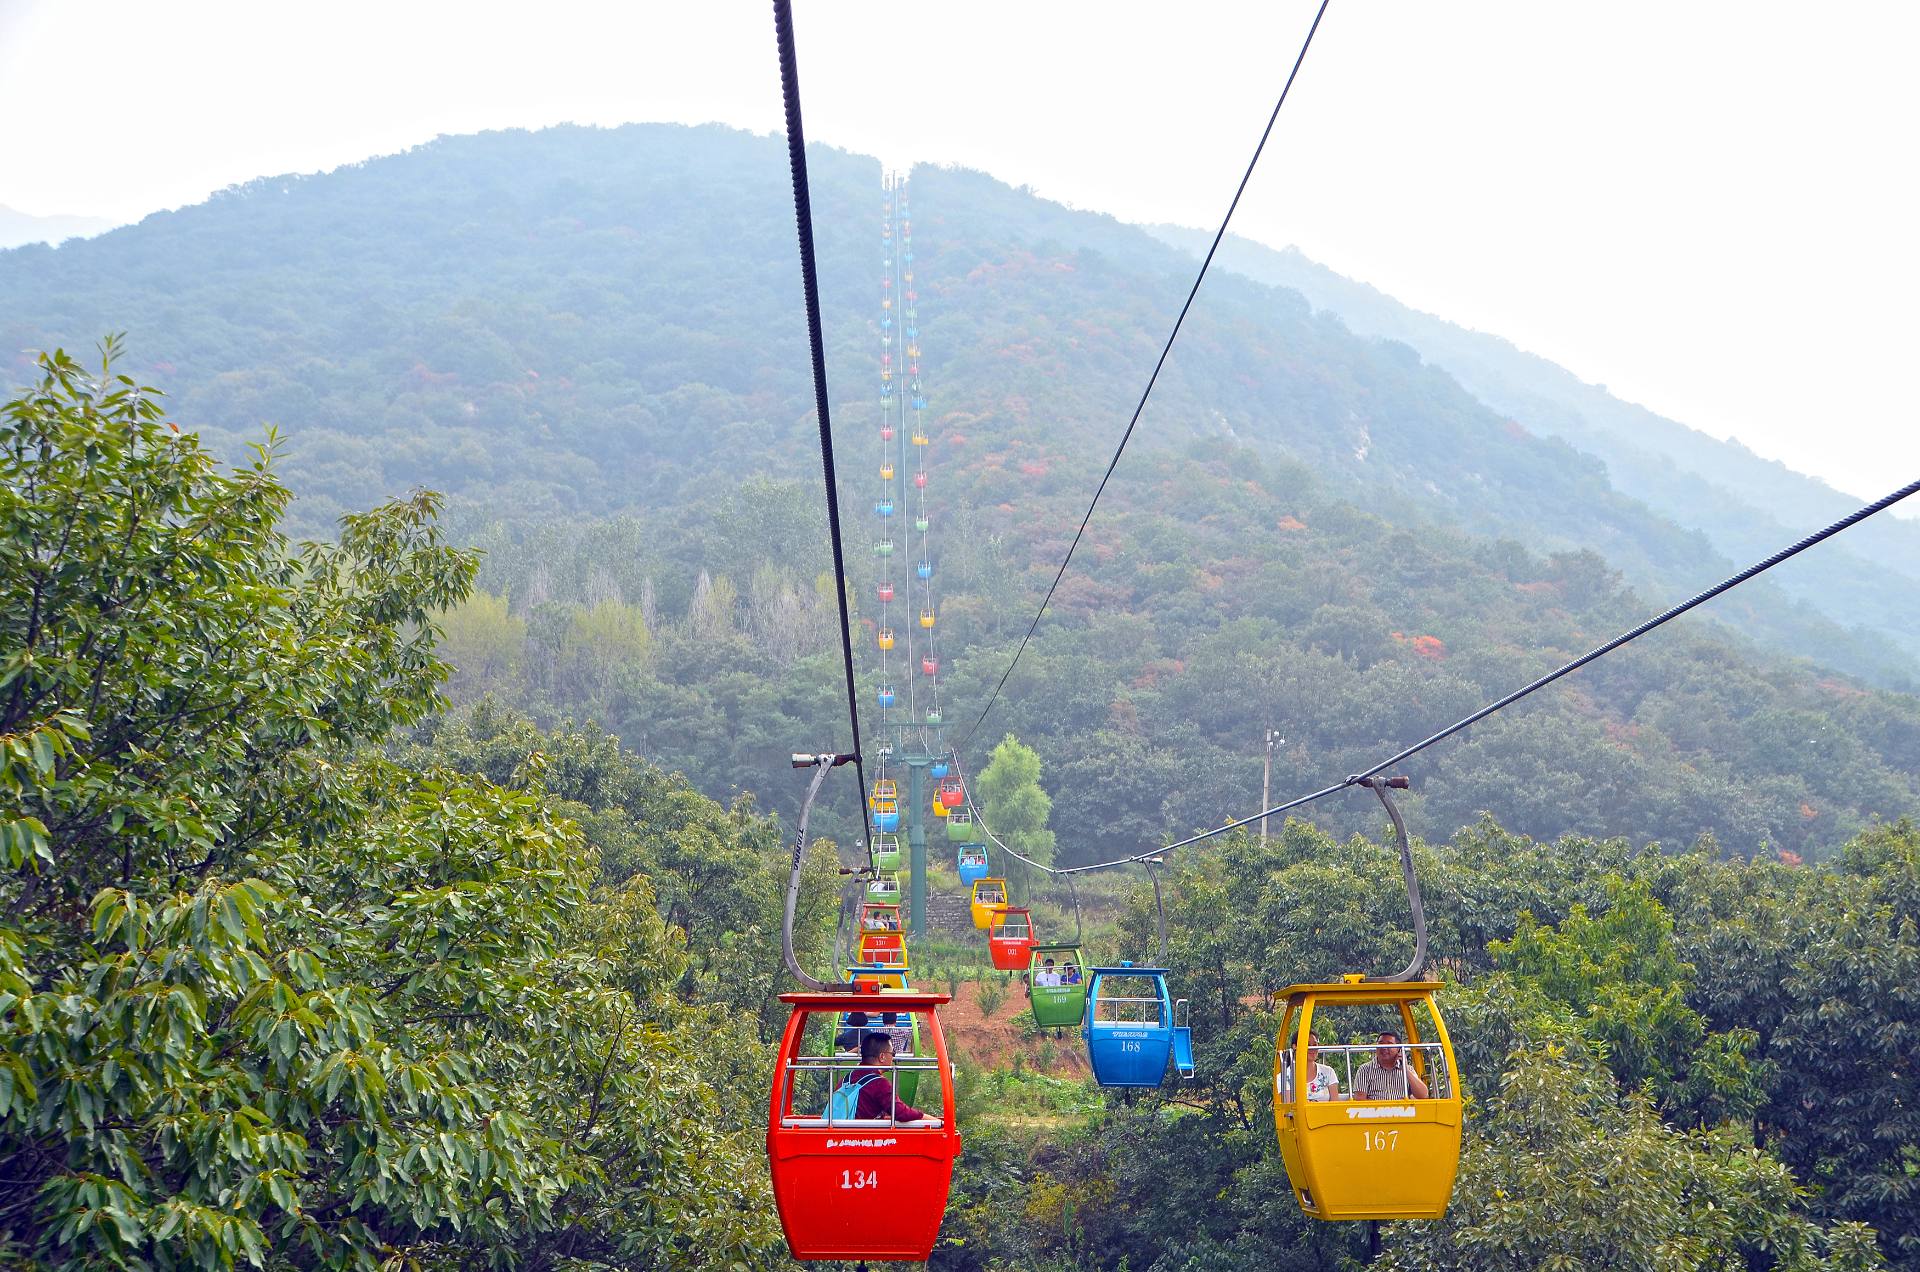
[908, 691]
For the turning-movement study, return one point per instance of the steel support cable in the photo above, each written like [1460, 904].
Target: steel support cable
[810, 282]
[1165, 350]
[1361, 778]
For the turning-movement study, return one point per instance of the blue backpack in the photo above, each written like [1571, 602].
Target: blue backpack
[845, 1104]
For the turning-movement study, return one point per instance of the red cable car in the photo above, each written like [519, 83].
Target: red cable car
[886, 433]
[852, 1187]
[952, 793]
[1010, 938]
[920, 480]
[885, 591]
[931, 666]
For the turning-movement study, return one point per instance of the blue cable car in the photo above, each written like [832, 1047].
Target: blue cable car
[1130, 1027]
[913, 332]
[924, 569]
[939, 768]
[885, 695]
[919, 404]
[884, 508]
[972, 860]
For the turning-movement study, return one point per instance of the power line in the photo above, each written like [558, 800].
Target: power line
[1727, 584]
[803, 217]
[1148, 391]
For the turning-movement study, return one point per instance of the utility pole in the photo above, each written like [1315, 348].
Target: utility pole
[1266, 781]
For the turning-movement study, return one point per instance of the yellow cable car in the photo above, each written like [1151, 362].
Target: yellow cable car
[883, 788]
[1381, 1140]
[885, 639]
[940, 809]
[926, 618]
[886, 472]
[989, 896]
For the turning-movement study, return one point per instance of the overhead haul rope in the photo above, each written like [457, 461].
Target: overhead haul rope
[810, 282]
[1367, 776]
[884, 584]
[1151, 379]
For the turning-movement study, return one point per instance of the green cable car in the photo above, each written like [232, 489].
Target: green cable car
[1056, 982]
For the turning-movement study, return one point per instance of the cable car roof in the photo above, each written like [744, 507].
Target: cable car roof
[857, 998]
[1359, 993]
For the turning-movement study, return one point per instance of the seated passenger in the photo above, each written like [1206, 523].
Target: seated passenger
[1388, 1076]
[877, 1098]
[1047, 977]
[1322, 1082]
[1073, 974]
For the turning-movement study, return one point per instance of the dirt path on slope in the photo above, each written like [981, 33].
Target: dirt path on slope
[992, 1042]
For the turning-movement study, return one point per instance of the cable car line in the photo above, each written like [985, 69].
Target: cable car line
[810, 283]
[1145, 393]
[1363, 778]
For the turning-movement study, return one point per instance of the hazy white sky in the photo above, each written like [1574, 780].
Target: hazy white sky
[1709, 207]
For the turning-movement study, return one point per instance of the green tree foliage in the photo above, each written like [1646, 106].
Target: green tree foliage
[1844, 1111]
[1626, 964]
[1148, 695]
[1620, 978]
[1560, 1173]
[1016, 806]
[262, 988]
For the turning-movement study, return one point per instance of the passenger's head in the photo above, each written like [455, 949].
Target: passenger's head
[1049, 964]
[876, 1049]
[1387, 1054]
[856, 1020]
[1313, 1045]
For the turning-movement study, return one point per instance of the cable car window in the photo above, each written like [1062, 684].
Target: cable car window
[841, 1078]
[1375, 1051]
[1130, 1000]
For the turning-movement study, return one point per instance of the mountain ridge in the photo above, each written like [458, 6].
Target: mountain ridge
[1747, 505]
[583, 320]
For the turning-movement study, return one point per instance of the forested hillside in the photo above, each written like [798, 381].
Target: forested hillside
[1746, 505]
[1215, 596]
[296, 971]
[581, 322]
[410, 898]
[587, 338]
